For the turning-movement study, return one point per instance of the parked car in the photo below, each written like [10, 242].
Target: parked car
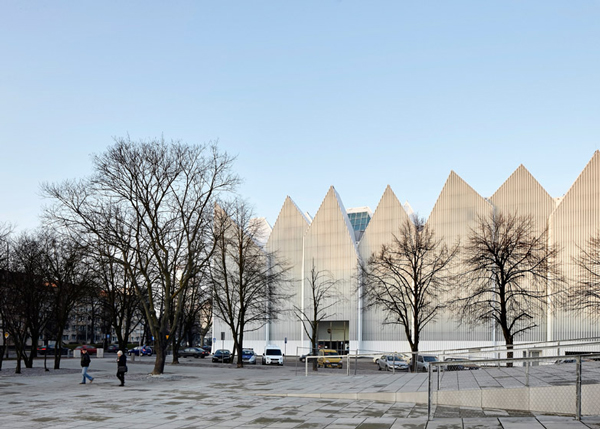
[392, 363]
[272, 356]
[303, 357]
[50, 350]
[376, 359]
[423, 363]
[90, 349]
[248, 356]
[195, 352]
[222, 355]
[207, 349]
[329, 358]
[112, 348]
[140, 350]
[460, 365]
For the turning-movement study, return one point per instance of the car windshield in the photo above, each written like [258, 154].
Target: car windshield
[397, 359]
[327, 353]
[430, 358]
[273, 352]
[248, 353]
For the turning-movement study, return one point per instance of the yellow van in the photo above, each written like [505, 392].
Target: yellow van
[329, 358]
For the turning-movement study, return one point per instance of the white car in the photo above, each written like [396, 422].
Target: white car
[272, 356]
[423, 363]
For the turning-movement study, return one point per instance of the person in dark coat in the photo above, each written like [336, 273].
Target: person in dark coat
[121, 367]
[85, 364]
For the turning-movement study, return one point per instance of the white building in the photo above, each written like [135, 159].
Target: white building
[336, 239]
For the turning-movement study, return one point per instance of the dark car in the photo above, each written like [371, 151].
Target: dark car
[140, 350]
[222, 355]
[195, 352]
[112, 348]
[50, 350]
[90, 349]
[459, 364]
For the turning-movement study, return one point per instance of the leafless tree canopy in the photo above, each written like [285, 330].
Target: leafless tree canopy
[586, 290]
[153, 201]
[406, 278]
[508, 269]
[248, 282]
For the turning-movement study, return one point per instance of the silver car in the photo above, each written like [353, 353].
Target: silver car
[392, 363]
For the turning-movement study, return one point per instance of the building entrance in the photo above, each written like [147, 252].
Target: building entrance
[334, 335]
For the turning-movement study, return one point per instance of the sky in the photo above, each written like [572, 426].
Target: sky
[305, 94]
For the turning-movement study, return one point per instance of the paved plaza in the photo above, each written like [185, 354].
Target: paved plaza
[200, 394]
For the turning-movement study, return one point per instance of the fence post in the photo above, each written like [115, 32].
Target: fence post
[429, 395]
[527, 354]
[578, 388]
[355, 360]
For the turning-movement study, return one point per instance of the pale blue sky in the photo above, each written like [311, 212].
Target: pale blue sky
[307, 94]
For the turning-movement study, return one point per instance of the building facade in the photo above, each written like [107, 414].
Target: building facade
[337, 239]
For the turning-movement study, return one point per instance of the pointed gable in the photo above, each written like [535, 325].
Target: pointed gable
[387, 219]
[291, 225]
[456, 209]
[523, 195]
[331, 218]
[329, 244]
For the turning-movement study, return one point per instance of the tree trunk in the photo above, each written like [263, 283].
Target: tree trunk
[161, 356]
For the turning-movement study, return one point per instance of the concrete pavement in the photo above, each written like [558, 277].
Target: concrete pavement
[199, 394]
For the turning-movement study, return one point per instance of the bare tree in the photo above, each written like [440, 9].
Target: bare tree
[508, 267]
[120, 303]
[25, 295]
[5, 231]
[68, 271]
[189, 327]
[322, 294]
[153, 201]
[248, 283]
[585, 295]
[407, 278]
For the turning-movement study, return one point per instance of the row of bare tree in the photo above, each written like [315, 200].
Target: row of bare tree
[156, 228]
[505, 273]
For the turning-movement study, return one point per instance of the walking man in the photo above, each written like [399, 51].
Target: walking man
[85, 364]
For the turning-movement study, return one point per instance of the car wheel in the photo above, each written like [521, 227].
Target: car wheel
[202, 357]
[378, 368]
[340, 366]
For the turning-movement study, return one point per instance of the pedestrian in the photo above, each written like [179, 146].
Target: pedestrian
[85, 364]
[121, 367]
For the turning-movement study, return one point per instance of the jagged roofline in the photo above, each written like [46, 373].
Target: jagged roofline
[446, 184]
[387, 193]
[595, 158]
[342, 210]
[291, 201]
[520, 168]
[253, 221]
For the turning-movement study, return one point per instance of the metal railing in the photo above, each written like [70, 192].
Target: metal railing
[568, 385]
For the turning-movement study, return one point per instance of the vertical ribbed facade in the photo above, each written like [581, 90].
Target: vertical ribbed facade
[286, 243]
[574, 221]
[330, 242]
[387, 219]
[521, 194]
[454, 213]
